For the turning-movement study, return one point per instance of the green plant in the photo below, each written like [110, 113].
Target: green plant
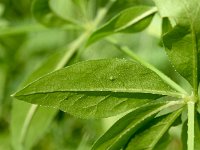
[152, 101]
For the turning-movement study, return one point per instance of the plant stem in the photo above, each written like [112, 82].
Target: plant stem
[131, 54]
[71, 50]
[195, 65]
[190, 142]
[27, 121]
[99, 17]
[102, 12]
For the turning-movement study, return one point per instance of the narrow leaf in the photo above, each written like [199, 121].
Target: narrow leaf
[95, 88]
[120, 133]
[166, 26]
[119, 6]
[148, 138]
[131, 20]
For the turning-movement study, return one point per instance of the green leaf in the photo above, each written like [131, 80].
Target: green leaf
[120, 5]
[182, 41]
[131, 20]
[29, 126]
[120, 133]
[163, 142]
[151, 135]
[166, 26]
[97, 88]
[66, 10]
[43, 13]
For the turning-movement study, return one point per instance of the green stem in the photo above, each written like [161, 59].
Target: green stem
[27, 121]
[71, 50]
[195, 65]
[99, 17]
[131, 54]
[191, 110]
[102, 12]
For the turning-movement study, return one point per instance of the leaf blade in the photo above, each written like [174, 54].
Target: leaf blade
[93, 83]
[43, 13]
[148, 138]
[120, 133]
[133, 19]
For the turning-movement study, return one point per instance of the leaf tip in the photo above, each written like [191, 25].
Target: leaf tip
[13, 95]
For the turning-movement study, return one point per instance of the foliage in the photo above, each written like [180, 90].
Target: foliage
[91, 59]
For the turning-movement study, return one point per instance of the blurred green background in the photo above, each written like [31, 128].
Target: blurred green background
[25, 44]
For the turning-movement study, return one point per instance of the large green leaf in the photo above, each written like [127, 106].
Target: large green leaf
[121, 132]
[133, 19]
[97, 88]
[43, 13]
[182, 41]
[148, 138]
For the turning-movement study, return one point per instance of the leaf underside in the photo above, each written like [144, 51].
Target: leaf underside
[98, 88]
[120, 133]
[150, 136]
